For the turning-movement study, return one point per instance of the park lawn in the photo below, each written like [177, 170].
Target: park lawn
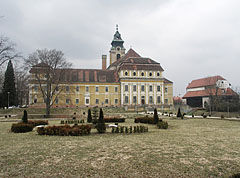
[189, 148]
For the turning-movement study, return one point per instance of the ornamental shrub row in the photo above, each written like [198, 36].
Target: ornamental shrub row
[114, 119]
[147, 120]
[131, 129]
[21, 127]
[65, 130]
[71, 121]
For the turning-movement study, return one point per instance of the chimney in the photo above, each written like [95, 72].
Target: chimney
[104, 62]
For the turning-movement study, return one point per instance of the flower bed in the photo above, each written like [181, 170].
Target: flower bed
[65, 130]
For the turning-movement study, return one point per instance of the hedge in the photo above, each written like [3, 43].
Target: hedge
[162, 125]
[147, 120]
[114, 119]
[65, 130]
[21, 127]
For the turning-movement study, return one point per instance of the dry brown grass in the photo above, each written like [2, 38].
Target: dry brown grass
[189, 148]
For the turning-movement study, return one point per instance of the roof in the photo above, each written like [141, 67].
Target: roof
[86, 75]
[133, 61]
[42, 64]
[208, 92]
[167, 81]
[208, 81]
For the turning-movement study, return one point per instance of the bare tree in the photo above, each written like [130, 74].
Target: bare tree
[7, 50]
[48, 68]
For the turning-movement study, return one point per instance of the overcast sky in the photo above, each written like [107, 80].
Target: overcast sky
[191, 39]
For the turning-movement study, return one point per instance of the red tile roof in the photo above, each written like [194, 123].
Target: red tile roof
[205, 82]
[208, 92]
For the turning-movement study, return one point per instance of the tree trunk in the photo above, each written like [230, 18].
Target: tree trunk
[47, 110]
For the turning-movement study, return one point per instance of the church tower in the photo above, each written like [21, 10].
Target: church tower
[117, 50]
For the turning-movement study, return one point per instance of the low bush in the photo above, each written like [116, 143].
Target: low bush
[65, 130]
[162, 125]
[21, 127]
[114, 119]
[38, 122]
[131, 129]
[147, 120]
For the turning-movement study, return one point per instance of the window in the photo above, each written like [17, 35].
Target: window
[35, 100]
[96, 89]
[126, 87]
[142, 74]
[134, 87]
[57, 88]
[158, 74]
[116, 101]
[134, 73]
[166, 101]
[134, 99]
[106, 89]
[67, 101]
[142, 88]
[158, 88]
[126, 99]
[67, 88]
[118, 56]
[56, 100]
[150, 99]
[126, 73]
[150, 88]
[106, 101]
[87, 100]
[77, 101]
[97, 101]
[166, 90]
[77, 88]
[150, 74]
[87, 88]
[158, 99]
[116, 89]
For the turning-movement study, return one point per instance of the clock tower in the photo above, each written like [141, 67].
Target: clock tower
[117, 50]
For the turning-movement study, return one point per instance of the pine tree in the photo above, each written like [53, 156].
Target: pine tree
[101, 128]
[25, 117]
[89, 117]
[9, 89]
[155, 117]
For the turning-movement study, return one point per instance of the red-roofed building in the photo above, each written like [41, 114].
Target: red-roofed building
[199, 92]
[128, 80]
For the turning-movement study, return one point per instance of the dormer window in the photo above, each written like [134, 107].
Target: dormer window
[142, 74]
[134, 73]
[150, 74]
[126, 73]
[158, 74]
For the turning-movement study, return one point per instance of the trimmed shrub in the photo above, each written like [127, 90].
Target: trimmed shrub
[38, 122]
[114, 119]
[89, 117]
[100, 126]
[155, 116]
[66, 130]
[146, 120]
[179, 114]
[222, 116]
[21, 127]
[162, 125]
[25, 117]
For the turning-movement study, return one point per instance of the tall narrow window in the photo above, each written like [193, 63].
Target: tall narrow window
[96, 89]
[158, 88]
[116, 89]
[150, 99]
[116, 101]
[134, 87]
[166, 90]
[126, 87]
[106, 101]
[77, 101]
[158, 99]
[77, 88]
[134, 99]
[67, 88]
[67, 101]
[97, 101]
[118, 56]
[106, 89]
[150, 88]
[56, 100]
[142, 88]
[126, 99]
[87, 88]
[166, 101]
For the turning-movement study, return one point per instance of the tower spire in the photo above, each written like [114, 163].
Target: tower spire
[117, 27]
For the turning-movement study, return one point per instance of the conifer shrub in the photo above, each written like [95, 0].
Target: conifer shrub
[155, 116]
[162, 125]
[25, 117]
[21, 127]
[179, 114]
[89, 117]
[100, 126]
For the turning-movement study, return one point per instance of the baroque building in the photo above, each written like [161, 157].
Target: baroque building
[129, 80]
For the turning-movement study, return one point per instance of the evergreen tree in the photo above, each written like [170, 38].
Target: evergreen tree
[155, 117]
[9, 89]
[89, 117]
[25, 117]
[179, 114]
[101, 128]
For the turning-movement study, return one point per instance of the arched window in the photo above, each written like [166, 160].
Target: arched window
[134, 73]
[118, 56]
[126, 73]
[142, 73]
[150, 74]
[158, 74]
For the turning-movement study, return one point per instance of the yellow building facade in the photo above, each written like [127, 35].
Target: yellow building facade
[129, 80]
